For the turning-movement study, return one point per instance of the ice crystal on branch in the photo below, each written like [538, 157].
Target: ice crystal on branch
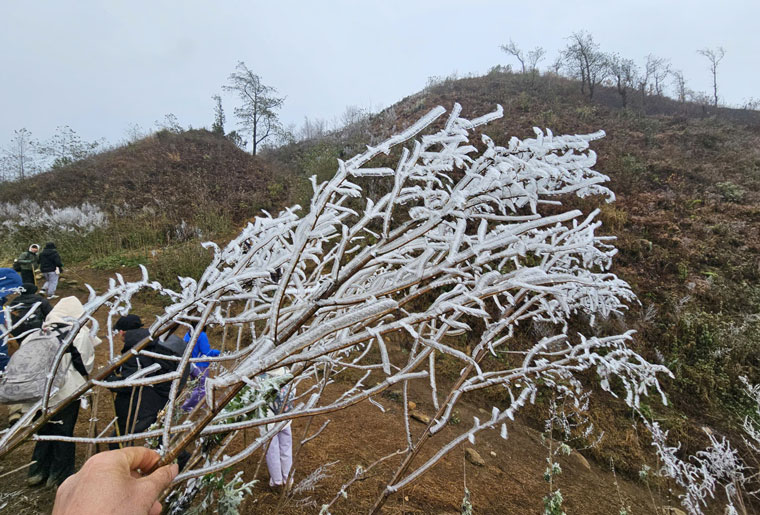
[469, 237]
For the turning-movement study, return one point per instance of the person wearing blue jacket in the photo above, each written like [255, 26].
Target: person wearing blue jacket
[10, 282]
[199, 370]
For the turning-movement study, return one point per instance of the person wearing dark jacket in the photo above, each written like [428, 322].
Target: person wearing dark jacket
[137, 407]
[53, 461]
[22, 305]
[51, 267]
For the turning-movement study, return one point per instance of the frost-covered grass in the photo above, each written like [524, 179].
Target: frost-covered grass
[109, 240]
[29, 214]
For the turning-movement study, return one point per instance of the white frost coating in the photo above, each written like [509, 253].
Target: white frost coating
[446, 258]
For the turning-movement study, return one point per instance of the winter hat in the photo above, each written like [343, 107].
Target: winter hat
[28, 288]
[50, 245]
[127, 323]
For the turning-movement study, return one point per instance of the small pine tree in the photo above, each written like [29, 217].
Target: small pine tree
[218, 126]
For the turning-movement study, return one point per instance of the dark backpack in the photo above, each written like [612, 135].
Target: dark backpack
[19, 311]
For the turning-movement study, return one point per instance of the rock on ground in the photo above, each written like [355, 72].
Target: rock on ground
[474, 457]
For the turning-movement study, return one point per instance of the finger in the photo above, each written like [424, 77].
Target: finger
[139, 457]
[155, 483]
[155, 509]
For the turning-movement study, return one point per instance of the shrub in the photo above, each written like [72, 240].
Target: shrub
[186, 260]
[730, 192]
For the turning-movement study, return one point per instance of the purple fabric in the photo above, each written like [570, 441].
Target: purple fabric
[280, 457]
[199, 392]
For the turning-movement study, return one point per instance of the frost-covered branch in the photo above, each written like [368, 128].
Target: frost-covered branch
[466, 236]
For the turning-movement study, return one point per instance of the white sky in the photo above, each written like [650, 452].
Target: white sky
[102, 66]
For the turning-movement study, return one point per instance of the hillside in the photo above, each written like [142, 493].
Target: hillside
[178, 175]
[687, 219]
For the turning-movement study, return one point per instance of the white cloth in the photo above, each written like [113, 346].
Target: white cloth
[274, 373]
[70, 307]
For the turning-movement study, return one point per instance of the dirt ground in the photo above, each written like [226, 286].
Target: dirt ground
[509, 482]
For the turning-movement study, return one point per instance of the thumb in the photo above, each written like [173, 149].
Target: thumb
[155, 483]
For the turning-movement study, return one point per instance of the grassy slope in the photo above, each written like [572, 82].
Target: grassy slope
[687, 217]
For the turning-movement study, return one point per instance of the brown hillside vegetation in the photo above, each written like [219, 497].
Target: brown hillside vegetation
[176, 175]
[687, 219]
[687, 180]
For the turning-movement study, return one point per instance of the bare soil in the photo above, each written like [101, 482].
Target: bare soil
[509, 482]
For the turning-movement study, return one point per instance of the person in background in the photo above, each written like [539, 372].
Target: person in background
[51, 267]
[138, 407]
[10, 283]
[53, 461]
[199, 370]
[114, 482]
[22, 304]
[27, 262]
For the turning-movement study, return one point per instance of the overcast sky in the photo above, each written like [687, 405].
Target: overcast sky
[102, 66]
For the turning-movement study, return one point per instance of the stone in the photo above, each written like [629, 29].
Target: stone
[412, 405]
[578, 459]
[474, 457]
[670, 510]
[493, 454]
[420, 416]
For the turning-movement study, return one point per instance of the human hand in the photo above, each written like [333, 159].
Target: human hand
[57, 271]
[111, 483]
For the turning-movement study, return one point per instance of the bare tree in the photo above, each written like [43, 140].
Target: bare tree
[715, 57]
[529, 62]
[135, 133]
[315, 128]
[258, 114]
[465, 239]
[660, 69]
[557, 64]
[354, 123]
[679, 82]
[652, 78]
[20, 157]
[584, 60]
[624, 74]
[66, 147]
[514, 50]
[169, 123]
[534, 57]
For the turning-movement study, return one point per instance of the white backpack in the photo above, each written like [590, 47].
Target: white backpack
[28, 368]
